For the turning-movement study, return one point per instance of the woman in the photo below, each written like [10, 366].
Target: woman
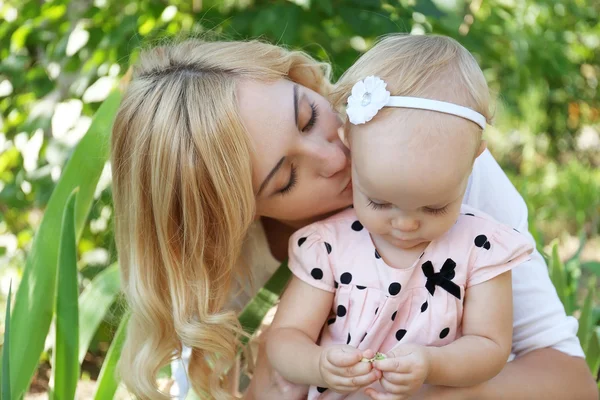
[220, 151]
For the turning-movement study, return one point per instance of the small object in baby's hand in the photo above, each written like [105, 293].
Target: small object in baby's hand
[378, 356]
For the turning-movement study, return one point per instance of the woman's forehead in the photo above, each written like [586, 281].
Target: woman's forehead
[267, 112]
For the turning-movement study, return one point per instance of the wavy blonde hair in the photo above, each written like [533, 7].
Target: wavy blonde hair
[182, 186]
[412, 65]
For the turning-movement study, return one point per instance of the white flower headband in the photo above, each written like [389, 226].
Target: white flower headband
[369, 96]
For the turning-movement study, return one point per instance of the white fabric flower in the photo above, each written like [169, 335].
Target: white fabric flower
[368, 97]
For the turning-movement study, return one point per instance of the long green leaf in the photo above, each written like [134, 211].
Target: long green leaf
[592, 354]
[6, 347]
[34, 301]
[253, 314]
[94, 303]
[585, 318]
[66, 366]
[107, 380]
[559, 278]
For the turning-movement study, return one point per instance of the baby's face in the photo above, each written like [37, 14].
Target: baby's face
[410, 170]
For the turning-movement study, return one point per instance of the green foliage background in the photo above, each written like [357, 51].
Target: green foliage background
[59, 60]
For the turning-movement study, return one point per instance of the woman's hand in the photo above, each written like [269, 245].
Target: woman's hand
[342, 370]
[404, 371]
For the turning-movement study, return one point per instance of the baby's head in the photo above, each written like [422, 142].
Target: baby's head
[410, 167]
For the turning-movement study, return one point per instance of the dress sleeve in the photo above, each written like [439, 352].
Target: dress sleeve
[500, 251]
[309, 258]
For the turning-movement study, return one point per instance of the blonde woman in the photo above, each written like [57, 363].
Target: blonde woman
[220, 151]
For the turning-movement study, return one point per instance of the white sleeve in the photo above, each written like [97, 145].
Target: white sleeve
[539, 317]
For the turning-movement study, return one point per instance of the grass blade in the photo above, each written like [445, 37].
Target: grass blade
[66, 366]
[592, 354]
[585, 319]
[94, 303]
[253, 314]
[6, 347]
[559, 279]
[32, 315]
[107, 380]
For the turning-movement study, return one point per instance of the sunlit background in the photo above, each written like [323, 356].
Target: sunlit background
[59, 60]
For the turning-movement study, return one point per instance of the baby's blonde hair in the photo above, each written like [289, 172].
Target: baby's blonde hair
[413, 65]
[182, 186]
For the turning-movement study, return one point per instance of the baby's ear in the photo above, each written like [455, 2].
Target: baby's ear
[343, 134]
[481, 149]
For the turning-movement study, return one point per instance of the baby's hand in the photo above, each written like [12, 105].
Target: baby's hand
[342, 370]
[404, 371]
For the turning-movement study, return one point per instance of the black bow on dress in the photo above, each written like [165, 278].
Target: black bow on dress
[442, 279]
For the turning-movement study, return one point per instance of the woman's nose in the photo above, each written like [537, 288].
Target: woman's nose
[405, 223]
[327, 158]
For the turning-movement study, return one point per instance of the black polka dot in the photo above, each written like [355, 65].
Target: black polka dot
[472, 215]
[349, 338]
[400, 334]
[487, 245]
[360, 287]
[424, 306]
[341, 311]
[335, 284]
[301, 241]
[330, 321]
[480, 240]
[394, 315]
[357, 226]
[316, 273]
[444, 333]
[363, 338]
[321, 389]
[394, 288]
[377, 254]
[377, 309]
[328, 247]
[346, 278]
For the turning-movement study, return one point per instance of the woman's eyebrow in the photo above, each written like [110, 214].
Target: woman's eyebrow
[270, 175]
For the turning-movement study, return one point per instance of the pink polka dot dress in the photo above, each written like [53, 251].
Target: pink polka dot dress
[376, 306]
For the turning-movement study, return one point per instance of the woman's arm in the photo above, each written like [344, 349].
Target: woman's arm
[549, 363]
[483, 349]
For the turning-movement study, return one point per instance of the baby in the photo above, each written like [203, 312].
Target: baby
[409, 272]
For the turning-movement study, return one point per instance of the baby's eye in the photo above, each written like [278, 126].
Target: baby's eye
[436, 211]
[378, 206]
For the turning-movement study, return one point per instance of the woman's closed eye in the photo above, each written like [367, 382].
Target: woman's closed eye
[292, 182]
[314, 115]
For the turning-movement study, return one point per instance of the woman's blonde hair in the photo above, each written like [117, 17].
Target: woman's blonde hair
[413, 65]
[182, 186]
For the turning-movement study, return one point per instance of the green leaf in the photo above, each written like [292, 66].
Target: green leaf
[585, 319]
[32, 315]
[107, 380]
[94, 303]
[252, 315]
[66, 366]
[592, 266]
[559, 278]
[592, 354]
[6, 347]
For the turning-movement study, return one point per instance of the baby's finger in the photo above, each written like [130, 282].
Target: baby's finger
[360, 368]
[344, 357]
[375, 395]
[396, 364]
[394, 388]
[356, 382]
[397, 378]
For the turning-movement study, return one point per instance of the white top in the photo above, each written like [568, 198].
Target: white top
[539, 318]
